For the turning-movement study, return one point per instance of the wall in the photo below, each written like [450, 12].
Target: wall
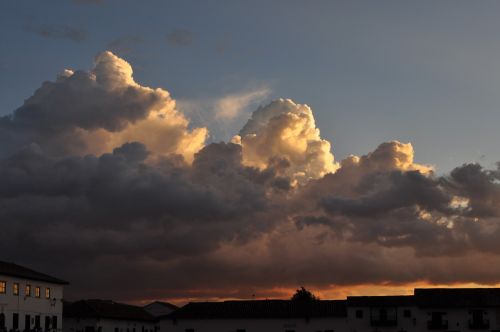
[106, 325]
[255, 325]
[458, 320]
[10, 303]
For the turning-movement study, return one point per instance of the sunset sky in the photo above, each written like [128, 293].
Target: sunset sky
[192, 150]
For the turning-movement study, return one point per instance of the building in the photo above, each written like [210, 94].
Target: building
[451, 310]
[159, 308]
[258, 315]
[29, 300]
[106, 316]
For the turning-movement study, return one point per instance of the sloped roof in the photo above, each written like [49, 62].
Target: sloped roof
[105, 309]
[381, 301]
[165, 304]
[261, 309]
[457, 297]
[14, 270]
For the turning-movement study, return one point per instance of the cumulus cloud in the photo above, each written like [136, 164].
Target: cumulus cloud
[93, 112]
[104, 175]
[286, 130]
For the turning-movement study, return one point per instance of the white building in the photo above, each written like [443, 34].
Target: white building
[451, 310]
[106, 316]
[29, 300]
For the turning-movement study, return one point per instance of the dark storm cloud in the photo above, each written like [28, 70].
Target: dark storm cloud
[180, 37]
[58, 31]
[226, 218]
[101, 208]
[369, 201]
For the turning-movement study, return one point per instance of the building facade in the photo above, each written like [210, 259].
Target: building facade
[258, 315]
[439, 310]
[107, 316]
[29, 300]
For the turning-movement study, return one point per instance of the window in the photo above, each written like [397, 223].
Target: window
[27, 290]
[359, 313]
[240, 330]
[3, 287]
[47, 293]
[37, 291]
[15, 321]
[54, 322]
[407, 313]
[437, 321]
[15, 289]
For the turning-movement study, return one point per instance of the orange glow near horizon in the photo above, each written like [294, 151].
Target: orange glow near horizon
[331, 293]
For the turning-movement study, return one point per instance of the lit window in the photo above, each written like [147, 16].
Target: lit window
[27, 290]
[3, 287]
[37, 291]
[15, 289]
[47, 293]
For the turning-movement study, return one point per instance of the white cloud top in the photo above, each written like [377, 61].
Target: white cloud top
[284, 130]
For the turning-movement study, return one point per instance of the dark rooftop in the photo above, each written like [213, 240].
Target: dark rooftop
[165, 304]
[425, 298]
[457, 297]
[261, 309]
[380, 301]
[14, 270]
[105, 309]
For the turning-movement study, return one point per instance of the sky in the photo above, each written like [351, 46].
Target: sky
[189, 150]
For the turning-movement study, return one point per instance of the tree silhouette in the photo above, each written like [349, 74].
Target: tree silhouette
[304, 295]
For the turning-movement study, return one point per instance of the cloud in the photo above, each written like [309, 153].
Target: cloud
[59, 31]
[93, 112]
[231, 106]
[104, 175]
[180, 37]
[286, 130]
[225, 114]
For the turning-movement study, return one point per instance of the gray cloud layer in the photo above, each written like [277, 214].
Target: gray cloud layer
[191, 219]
